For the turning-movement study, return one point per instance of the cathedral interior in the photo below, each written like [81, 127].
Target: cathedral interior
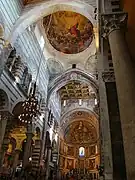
[67, 105]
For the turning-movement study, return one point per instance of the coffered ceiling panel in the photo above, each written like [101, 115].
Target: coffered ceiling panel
[76, 90]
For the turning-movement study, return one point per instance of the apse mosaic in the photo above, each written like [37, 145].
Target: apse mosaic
[68, 32]
[80, 132]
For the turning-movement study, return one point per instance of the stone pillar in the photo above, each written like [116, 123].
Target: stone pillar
[4, 141]
[105, 149]
[16, 157]
[46, 112]
[49, 150]
[27, 149]
[113, 26]
[3, 123]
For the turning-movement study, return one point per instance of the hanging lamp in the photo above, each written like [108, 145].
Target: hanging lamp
[31, 106]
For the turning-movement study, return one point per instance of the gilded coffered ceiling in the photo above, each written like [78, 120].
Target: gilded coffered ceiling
[76, 90]
[68, 32]
[80, 132]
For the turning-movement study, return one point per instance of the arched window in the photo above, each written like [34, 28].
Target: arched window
[81, 151]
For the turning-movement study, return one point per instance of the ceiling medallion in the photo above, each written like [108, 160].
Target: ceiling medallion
[68, 32]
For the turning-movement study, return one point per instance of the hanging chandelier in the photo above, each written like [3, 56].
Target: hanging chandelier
[30, 108]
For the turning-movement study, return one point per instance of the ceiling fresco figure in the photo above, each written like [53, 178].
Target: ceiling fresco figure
[70, 32]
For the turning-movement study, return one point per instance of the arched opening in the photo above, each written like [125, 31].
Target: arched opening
[81, 151]
[80, 145]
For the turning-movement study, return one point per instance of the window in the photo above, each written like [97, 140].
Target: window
[80, 102]
[42, 42]
[81, 151]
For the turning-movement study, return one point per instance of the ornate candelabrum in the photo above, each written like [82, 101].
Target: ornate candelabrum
[31, 109]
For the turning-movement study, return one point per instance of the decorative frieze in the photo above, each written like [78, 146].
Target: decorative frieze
[108, 76]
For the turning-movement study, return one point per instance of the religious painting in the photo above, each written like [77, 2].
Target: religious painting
[80, 132]
[92, 150]
[68, 32]
[69, 163]
[92, 164]
[62, 162]
[70, 151]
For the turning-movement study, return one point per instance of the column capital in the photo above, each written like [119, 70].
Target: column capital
[111, 22]
[108, 76]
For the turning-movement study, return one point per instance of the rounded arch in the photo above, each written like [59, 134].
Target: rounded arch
[40, 10]
[4, 100]
[76, 115]
[70, 75]
[17, 109]
[79, 109]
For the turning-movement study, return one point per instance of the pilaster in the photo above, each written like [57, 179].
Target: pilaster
[106, 150]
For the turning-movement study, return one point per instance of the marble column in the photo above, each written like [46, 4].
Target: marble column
[45, 120]
[113, 28]
[16, 159]
[4, 141]
[3, 123]
[27, 149]
[49, 150]
[105, 136]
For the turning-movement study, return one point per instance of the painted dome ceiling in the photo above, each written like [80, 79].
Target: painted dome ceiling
[68, 32]
[80, 132]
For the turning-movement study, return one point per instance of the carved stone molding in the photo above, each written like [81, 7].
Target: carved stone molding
[108, 76]
[111, 22]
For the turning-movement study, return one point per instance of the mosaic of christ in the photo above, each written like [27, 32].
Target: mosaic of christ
[68, 32]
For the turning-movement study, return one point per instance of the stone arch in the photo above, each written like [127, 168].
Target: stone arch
[37, 12]
[17, 109]
[69, 75]
[87, 110]
[4, 100]
[72, 117]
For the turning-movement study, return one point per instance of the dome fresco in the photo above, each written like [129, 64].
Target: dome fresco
[68, 32]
